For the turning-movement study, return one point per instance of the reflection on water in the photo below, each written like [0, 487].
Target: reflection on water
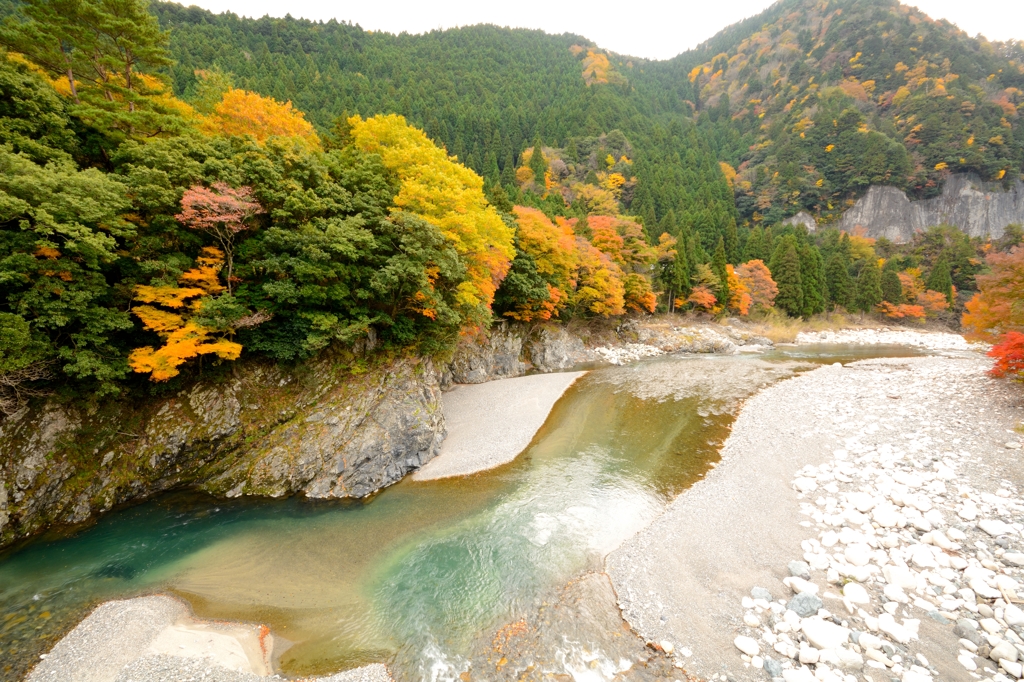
[414, 575]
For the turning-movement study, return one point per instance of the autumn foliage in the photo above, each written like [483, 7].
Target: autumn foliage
[756, 278]
[446, 194]
[997, 307]
[242, 113]
[1009, 355]
[183, 337]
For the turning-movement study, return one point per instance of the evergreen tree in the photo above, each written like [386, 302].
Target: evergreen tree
[892, 288]
[869, 287]
[582, 228]
[538, 164]
[838, 281]
[668, 225]
[718, 263]
[786, 273]
[755, 248]
[732, 242]
[940, 278]
[812, 277]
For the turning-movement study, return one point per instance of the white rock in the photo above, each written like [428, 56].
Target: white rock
[824, 634]
[956, 535]
[888, 625]
[896, 593]
[887, 516]
[799, 585]
[849, 659]
[1012, 667]
[922, 557]
[750, 620]
[757, 662]
[668, 647]
[967, 661]
[914, 676]
[808, 654]
[940, 540]
[919, 502]
[805, 485]
[990, 626]
[1013, 558]
[1013, 615]
[982, 589]
[829, 539]
[747, 645]
[869, 641]
[995, 527]
[900, 576]
[856, 593]
[968, 511]
[858, 554]
[1004, 650]
[862, 502]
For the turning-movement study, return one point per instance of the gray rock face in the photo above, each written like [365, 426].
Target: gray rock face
[802, 218]
[978, 208]
[555, 348]
[328, 428]
[496, 355]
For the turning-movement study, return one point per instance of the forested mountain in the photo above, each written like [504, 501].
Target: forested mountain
[810, 101]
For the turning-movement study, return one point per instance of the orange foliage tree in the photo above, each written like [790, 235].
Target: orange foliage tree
[998, 307]
[222, 212]
[755, 276]
[242, 113]
[553, 249]
[740, 299]
[448, 195]
[599, 289]
[183, 338]
[702, 299]
[902, 310]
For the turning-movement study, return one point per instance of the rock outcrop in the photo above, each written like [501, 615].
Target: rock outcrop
[980, 209]
[330, 428]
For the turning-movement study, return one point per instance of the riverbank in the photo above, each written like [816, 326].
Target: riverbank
[490, 424]
[887, 455]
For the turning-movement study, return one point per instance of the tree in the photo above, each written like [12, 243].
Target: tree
[107, 56]
[450, 196]
[838, 282]
[869, 287]
[755, 248]
[246, 113]
[758, 281]
[812, 278]
[892, 288]
[551, 249]
[1009, 355]
[222, 212]
[183, 336]
[538, 164]
[940, 278]
[673, 269]
[996, 309]
[740, 299]
[718, 266]
[786, 273]
[598, 287]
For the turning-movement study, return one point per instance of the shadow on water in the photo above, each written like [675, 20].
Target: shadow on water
[415, 575]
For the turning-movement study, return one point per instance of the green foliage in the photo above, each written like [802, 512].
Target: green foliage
[940, 278]
[892, 289]
[718, 263]
[869, 288]
[812, 279]
[839, 284]
[785, 268]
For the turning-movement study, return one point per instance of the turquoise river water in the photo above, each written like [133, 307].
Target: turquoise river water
[414, 575]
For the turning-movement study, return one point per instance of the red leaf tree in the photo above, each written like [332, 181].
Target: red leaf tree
[223, 213]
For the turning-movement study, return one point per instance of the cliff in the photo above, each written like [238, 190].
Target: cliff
[330, 428]
[980, 209]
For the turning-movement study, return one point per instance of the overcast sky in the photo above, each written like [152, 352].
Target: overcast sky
[640, 28]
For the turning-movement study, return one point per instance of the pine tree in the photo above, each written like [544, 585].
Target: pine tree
[940, 279]
[732, 242]
[718, 263]
[892, 288]
[668, 224]
[786, 273]
[812, 277]
[838, 281]
[869, 288]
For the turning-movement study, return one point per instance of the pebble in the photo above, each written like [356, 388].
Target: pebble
[747, 645]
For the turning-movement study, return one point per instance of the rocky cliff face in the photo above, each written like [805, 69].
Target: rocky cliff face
[978, 208]
[329, 428]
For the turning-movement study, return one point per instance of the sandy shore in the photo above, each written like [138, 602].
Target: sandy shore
[683, 579]
[490, 424]
[156, 639]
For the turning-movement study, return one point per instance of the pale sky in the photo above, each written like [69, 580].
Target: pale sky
[639, 28]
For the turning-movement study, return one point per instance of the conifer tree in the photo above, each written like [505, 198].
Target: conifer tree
[940, 279]
[755, 248]
[668, 224]
[869, 287]
[838, 281]
[812, 276]
[538, 164]
[892, 288]
[718, 263]
[786, 273]
[732, 241]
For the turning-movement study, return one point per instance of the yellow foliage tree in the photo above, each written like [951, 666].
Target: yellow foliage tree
[446, 194]
[183, 338]
[242, 113]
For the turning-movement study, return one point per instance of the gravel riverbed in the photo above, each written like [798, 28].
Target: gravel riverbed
[865, 524]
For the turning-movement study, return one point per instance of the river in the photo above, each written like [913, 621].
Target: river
[420, 574]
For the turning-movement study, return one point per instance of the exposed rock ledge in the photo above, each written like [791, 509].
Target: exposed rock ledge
[980, 209]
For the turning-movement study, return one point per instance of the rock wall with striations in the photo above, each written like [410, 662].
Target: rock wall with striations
[330, 428]
[980, 209]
